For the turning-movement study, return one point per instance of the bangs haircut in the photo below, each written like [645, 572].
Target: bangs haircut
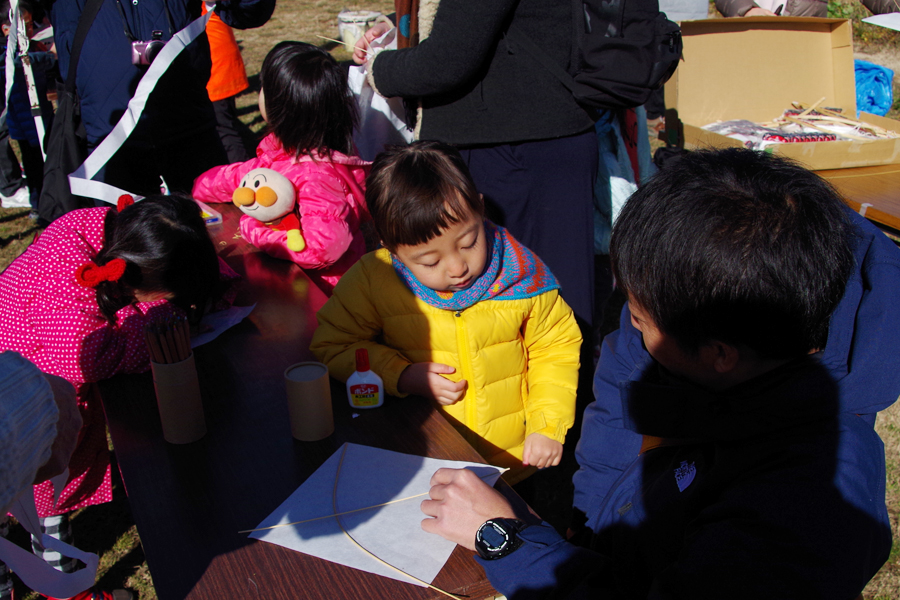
[414, 192]
[309, 106]
[737, 246]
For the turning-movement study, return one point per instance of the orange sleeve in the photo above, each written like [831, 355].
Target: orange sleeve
[228, 76]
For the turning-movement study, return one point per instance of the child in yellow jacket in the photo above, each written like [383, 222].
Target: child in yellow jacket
[454, 309]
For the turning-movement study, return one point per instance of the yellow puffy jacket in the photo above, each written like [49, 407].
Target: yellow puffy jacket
[520, 357]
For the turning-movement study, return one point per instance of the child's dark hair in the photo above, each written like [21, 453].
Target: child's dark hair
[414, 192]
[166, 247]
[308, 104]
[737, 246]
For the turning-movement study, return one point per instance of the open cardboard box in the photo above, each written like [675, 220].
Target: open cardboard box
[753, 68]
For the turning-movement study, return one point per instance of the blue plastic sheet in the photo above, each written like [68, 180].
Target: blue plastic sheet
[874, 92]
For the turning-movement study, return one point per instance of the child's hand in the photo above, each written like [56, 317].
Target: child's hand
[425, 379]
[541, 451]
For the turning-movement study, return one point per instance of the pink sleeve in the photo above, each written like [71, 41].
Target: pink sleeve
[323, 220]
[322, 202]
[85, 347]
[268, 240]
[123, 349]
[218, 184]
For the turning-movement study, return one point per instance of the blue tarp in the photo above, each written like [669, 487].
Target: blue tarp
[874, 92]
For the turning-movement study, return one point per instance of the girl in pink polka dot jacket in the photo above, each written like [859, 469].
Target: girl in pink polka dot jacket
[75, 304]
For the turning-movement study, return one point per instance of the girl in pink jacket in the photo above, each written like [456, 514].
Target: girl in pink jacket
[75, 304]
[311, 116]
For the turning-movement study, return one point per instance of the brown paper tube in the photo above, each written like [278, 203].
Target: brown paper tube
[178, 398]
[309, 401]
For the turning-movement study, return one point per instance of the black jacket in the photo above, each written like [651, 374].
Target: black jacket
[475, 86]
[106, 78]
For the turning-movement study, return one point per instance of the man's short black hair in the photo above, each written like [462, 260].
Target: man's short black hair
[738, 246]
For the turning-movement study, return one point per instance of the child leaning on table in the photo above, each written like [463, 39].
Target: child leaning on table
[75, 304]
[310, 115]
[454, 309]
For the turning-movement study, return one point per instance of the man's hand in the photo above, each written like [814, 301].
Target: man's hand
[361, 49]
[426, 379]
[541, 451]
[460, 503]
[67, 428]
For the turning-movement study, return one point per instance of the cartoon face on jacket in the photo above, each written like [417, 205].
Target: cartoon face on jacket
[265, 195]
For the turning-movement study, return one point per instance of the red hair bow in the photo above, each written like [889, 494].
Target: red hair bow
[125, 200]
[89, 274]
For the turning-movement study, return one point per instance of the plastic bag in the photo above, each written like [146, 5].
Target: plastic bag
[874, 91]
[381, 119]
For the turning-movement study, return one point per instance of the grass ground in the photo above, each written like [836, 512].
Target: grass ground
[109, 530]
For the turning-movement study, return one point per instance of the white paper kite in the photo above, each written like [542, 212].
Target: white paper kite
[889, 20]
[361, 509]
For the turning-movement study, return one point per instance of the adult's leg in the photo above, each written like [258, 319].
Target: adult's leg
[33, 163]
[183, 160]
[226, 127]
[542, 193]
[133, 168]
[10, 172]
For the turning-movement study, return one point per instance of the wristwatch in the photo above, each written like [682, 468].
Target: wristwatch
[497, 538]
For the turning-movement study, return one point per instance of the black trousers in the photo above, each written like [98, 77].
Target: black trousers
[542, 192]
[33, 164]
[10, 172]
[227, 128]
[137, 168]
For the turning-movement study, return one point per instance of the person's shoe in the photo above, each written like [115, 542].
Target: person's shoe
[18, 200]
[95, 594]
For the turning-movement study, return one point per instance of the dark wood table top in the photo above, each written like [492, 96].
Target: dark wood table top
[190, 501]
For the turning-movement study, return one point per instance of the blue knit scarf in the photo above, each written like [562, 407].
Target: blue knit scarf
[513, 272]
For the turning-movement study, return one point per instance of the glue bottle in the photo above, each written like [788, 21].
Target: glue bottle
[364, 388]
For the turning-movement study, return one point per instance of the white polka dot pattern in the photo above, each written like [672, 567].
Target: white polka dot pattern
[56, 324]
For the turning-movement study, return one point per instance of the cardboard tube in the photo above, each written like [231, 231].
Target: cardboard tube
[178, 398]
[309, 401]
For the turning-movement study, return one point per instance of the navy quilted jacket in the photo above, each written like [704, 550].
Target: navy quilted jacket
[106, 79]
[774, 489]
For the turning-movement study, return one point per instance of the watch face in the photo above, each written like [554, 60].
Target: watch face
[492, 537]
[497, 538]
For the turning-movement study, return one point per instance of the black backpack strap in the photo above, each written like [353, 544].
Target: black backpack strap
[626, 49]
[88, 14]
[526, 43]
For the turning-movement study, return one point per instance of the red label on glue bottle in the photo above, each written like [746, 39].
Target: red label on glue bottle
[364, 388]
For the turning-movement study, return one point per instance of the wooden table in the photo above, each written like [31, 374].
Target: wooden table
[877, 187]
[190, 501]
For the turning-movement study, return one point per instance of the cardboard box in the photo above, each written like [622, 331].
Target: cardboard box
[753, 68]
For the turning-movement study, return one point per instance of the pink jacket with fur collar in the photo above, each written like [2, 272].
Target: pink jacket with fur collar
[331, 202]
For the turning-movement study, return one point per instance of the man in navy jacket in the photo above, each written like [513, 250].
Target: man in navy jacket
[176, 137]
[731, 448]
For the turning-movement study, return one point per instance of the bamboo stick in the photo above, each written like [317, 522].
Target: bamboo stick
[807, 124]
[156, 354]
[163, 342]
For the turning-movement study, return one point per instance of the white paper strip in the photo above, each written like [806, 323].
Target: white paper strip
[80, 181]
[890, 20]
[34, 571]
